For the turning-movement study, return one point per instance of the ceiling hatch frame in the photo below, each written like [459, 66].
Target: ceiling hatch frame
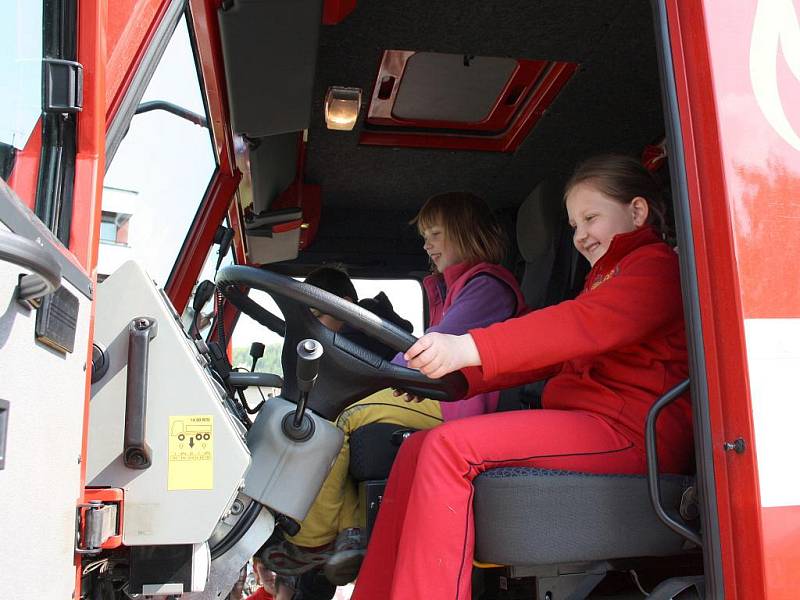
[530, 89]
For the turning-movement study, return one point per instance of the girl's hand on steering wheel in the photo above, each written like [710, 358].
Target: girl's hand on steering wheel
[437, 354]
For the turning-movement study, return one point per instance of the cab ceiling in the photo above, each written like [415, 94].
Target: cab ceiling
[611, 104]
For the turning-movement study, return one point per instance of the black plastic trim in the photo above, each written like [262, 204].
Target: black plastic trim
[4, 408]
[55, 186]
[712, 556]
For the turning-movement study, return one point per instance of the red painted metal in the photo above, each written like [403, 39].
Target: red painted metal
[109, 496]
[307, 197]
[222, 189]
[759, 151]
[336, 11]
[781, 551]
[193, 254]
[89, 165]
[720, 307]
[90, 159]
[509, 123]
[235, 219]
[205, 26]
[130, 27]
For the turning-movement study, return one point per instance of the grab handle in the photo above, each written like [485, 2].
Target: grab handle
[136, 452]
[46, 272]
[652, 465]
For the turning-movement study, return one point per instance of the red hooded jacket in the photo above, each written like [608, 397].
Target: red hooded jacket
[612, 351]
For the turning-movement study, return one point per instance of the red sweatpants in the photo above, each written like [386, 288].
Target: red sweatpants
[423, 541]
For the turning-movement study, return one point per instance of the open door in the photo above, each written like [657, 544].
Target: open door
[46, 287]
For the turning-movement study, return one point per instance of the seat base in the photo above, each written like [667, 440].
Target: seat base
[527, 516]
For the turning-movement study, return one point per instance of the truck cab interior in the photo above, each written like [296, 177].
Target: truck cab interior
[348, 115]
[501, 100]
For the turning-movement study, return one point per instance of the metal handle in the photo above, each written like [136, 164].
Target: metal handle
[46, 272]
[652, 464]
[136, 452]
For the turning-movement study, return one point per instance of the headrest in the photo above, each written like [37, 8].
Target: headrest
[538, 220]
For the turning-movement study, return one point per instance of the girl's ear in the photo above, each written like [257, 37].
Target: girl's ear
[640, 210]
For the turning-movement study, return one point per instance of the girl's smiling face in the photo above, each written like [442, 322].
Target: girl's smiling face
[439, 249]
[596, 218]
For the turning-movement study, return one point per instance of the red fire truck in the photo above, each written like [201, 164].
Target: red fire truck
[281, 135]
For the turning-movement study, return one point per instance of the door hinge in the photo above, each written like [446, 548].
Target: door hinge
[96, 522]
[62, 87]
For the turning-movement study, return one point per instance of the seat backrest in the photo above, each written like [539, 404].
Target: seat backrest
[540, 223]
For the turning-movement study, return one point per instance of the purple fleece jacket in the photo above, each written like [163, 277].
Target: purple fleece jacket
[483, 300]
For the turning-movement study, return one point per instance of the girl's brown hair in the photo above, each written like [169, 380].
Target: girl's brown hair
[622, 178]
[468, 224]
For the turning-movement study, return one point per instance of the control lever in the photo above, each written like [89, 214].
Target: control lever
[301, 428]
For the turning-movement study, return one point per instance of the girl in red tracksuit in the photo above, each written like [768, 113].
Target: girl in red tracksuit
[609, 354]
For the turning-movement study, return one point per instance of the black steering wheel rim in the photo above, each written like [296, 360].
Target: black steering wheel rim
[295, 300]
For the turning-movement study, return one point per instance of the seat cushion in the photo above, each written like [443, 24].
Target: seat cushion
[529, 516]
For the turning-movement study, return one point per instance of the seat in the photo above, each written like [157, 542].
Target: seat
[527, 516]
[548, 269]
[569, 529]
[540, 221]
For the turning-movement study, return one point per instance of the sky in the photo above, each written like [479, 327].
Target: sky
[20, 70]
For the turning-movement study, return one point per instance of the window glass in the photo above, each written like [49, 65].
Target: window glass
[20, 70]
[161, 170]
[405, 295]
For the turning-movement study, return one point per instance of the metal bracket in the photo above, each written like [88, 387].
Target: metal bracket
[99, 524]
[62, 86]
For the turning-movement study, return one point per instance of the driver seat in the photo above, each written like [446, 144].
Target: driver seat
[569, 529]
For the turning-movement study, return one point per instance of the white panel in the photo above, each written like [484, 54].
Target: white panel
[158, 508]
[39, 487]
[773, 355]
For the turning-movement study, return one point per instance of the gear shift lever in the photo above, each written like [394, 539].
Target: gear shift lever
[309, 353]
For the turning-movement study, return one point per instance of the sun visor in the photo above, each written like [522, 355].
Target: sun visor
[270, 52]
[273, 166]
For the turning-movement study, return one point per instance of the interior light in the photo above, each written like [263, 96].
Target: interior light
[341, 107]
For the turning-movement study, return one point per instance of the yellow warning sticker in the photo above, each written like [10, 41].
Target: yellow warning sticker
[191, 452]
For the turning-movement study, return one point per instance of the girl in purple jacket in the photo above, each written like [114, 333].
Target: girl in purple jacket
[467, 289]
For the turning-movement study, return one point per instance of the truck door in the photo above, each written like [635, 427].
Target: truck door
[736, 90]
[47, 197]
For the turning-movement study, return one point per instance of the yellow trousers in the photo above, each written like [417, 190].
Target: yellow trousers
[336, 506]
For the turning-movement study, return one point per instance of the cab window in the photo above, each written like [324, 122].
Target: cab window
[161, 170]
[405, 295]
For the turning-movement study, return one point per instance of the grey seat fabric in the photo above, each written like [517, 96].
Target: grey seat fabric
[539, 224]
[526, 516]
[539, 228]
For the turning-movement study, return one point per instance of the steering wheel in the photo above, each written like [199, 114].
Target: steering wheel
[347, 371]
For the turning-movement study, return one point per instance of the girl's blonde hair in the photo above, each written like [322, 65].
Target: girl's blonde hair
[622, 178]
[468, 224]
